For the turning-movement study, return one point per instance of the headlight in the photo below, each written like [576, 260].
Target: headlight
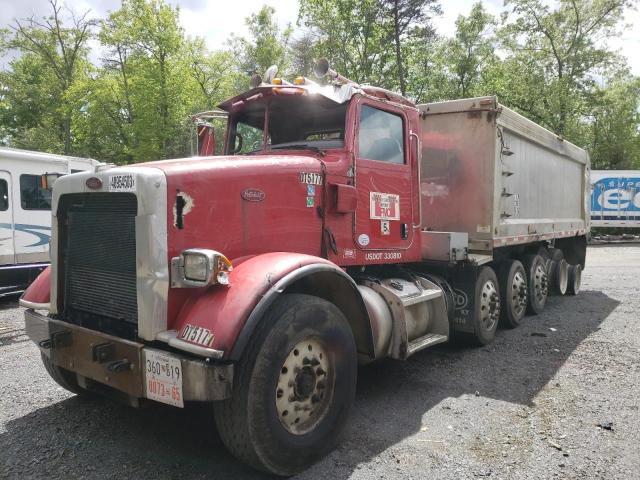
[199, 267]
[196, 266]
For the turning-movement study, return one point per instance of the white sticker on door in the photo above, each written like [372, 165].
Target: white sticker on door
[363, 239]
[384, 206]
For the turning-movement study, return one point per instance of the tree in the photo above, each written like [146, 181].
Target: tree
[62, 51]
[566, 46]
[470, 51]
[266, 46]
[304, 54]
[353, 35]
[214, 73]
[615, 124]
[31, 102]
[147, 76]
[403, 16]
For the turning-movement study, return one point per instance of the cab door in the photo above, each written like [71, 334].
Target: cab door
[384, 216]
[7, 250]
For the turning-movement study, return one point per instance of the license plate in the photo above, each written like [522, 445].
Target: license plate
[122, 183]
[163, 378]
[200, 335]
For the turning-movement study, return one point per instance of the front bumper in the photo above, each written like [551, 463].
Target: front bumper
[118, 363]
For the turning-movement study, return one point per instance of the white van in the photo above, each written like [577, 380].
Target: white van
[25, 212]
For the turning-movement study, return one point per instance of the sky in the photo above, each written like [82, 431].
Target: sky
[216, 20]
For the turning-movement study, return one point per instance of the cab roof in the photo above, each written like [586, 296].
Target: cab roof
[334, 92]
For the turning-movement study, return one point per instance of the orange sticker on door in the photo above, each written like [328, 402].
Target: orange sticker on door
[384, 206]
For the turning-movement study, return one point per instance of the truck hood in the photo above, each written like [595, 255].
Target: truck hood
[243, 205]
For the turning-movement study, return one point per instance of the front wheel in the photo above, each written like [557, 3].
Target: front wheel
[293, 389]
[65, 378]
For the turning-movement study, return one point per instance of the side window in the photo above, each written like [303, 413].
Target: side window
[4, 196]
[32, 195]
[248, 139]
[380, 136]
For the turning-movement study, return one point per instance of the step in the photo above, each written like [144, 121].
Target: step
[425, 296]
[425, 341]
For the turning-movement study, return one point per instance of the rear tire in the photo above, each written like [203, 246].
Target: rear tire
[537, 280]
[65, 378]
[558, 272]
[293, 388]
[486, 307]
[513, 293]
[574, 279]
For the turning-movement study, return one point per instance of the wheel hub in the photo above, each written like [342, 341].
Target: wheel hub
[305, 383]
[540, 283]
[489, 305]
[519, 293]
[305, 387]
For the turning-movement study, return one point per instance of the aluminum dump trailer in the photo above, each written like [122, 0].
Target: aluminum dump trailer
[615, 198]
[497, 178]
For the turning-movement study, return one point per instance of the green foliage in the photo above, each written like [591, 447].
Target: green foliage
[54, 60]
[548, 60]
[266, 46]
[563, 48]
[470, 52]
[613, 128]
[353, 35]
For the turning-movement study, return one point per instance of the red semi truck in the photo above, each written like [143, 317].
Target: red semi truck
[343, 224]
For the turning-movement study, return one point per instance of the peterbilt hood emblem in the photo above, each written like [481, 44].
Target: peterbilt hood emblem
[253, 195]
[94, 183]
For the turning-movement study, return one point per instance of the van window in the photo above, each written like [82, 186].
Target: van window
[380, 136]
[4, 196]
[32, 195]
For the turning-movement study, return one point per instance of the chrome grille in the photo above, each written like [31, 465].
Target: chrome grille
[97, 257]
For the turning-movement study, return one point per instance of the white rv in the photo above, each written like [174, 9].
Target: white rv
[25, 212]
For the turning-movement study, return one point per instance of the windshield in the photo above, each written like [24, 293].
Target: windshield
[294, 122]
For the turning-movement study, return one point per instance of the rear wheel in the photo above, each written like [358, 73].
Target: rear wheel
[293, 389]
[574, 279]
[65, 378]
[487, 307]
[558, 272]
[513, 293]
[537, 280]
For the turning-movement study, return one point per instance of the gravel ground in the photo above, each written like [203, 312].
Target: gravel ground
[527, 406]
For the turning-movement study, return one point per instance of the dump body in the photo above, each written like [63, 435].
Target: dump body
[615, 198]
[502, 179]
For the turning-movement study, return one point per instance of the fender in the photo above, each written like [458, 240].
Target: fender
[38, 294]
[232, 312]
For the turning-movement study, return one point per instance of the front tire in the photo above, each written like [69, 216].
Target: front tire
[65, 378]
[293, 388]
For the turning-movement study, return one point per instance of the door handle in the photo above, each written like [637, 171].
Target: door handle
[404, 231]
